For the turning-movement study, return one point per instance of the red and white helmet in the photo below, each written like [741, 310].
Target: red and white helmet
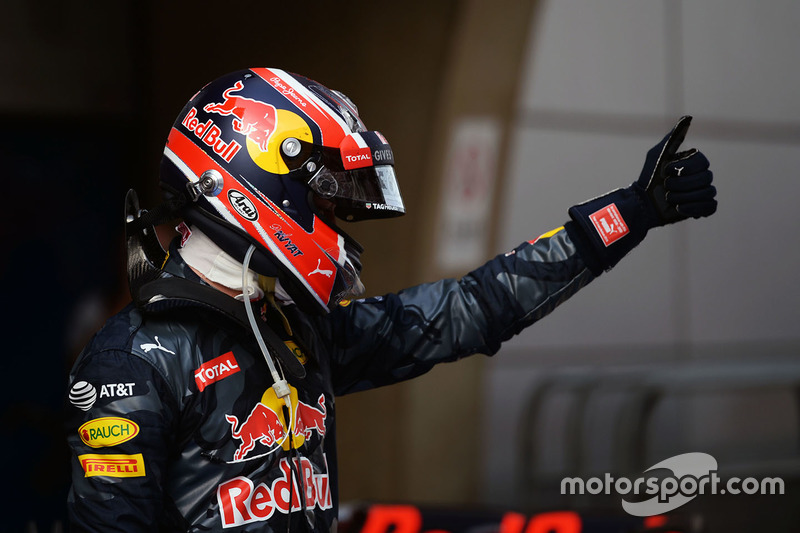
[268, 159]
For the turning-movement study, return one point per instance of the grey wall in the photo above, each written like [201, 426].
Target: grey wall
[710, 306]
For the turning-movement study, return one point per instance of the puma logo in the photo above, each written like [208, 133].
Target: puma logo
[608, 227]
[326, 273]
[148, 346]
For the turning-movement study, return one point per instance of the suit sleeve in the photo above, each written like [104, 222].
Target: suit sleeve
[383, 340]
[119, 426]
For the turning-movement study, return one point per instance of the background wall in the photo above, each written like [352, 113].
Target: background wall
[549, 103]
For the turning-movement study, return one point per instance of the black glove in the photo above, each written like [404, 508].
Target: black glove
[678, 184]
[672, 186]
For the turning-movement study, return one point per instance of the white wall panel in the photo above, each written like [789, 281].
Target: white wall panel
[583, 55]
[723, 279]
[741, 59]
[743, 261]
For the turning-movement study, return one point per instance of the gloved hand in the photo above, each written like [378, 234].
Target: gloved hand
[672, 186]
[678, 184]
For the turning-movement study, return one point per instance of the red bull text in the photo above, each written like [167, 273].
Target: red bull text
[243, 502]
[208, 132]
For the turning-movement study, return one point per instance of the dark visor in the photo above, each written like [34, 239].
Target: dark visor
[360, 194]
[358, 178]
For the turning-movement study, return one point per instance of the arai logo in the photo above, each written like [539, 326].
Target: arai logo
[242, 205]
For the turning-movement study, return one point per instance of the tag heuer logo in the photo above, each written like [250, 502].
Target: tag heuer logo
[242, 205]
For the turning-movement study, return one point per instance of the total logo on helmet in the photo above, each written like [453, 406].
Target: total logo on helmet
[266, 428]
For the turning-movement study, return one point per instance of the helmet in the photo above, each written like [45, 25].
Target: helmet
[270, 159]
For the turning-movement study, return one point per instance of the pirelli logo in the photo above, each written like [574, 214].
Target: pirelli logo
[112, 465]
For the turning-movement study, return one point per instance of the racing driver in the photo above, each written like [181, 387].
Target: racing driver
[207, 404]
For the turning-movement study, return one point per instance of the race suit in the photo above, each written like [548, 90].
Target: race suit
[174, 426]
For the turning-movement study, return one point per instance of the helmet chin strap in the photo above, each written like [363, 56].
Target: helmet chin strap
[280, 385]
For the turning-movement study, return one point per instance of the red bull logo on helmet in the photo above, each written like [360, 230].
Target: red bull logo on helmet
[266, 429]
[209, 134]
[252, 118]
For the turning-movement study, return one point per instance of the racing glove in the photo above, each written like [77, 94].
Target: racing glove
[672, 186]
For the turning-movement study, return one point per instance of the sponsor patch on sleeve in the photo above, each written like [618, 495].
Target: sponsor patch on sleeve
[112, 465]
[107, 431]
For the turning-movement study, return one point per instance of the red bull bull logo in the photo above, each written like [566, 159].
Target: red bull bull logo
[252, 118]
[263, 425]
[309, 419]
[266, 425]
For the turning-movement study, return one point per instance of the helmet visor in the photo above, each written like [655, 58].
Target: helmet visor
[361, 193]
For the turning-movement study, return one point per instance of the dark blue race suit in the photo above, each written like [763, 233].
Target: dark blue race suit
[173, 424]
